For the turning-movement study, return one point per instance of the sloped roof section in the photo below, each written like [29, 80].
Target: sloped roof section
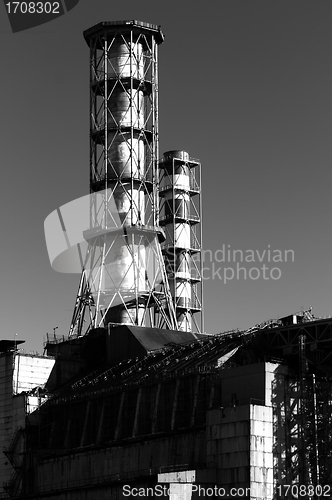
[132, 341]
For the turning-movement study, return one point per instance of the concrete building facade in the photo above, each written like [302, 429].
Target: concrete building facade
[225, 414]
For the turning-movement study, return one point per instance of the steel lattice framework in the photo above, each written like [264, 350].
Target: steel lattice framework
[180, 215]
[303, 415]
[124, 278]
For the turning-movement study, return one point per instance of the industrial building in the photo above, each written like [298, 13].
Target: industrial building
[138, 400]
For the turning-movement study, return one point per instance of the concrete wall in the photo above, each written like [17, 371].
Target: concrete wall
[227, 434]
[242, 441]
[243, 384]
[237, 449]
[12, 414]
[30, 372]
[18, 373]
[118, 463]
[261, 452]
[240, 447]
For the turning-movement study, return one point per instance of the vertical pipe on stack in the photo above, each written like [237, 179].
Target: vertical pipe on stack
[126, 164]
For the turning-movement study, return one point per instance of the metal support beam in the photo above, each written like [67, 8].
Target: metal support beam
[193, 413]
[175, 403]
[155, 411]
[86, 419]
[118, 422]
[138, 402]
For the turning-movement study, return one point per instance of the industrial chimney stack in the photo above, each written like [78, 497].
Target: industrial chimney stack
[125, 279]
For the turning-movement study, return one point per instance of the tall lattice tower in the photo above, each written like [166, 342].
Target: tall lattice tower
[180, 215]
[124, 280]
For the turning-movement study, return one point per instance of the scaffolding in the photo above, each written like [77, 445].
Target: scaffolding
[180, 215]
[303, 425]
[124, 279]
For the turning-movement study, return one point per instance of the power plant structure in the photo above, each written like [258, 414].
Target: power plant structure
[124, 278]
[180, 215]
[137, 400]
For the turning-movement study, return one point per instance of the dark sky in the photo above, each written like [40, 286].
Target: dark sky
[245, 86]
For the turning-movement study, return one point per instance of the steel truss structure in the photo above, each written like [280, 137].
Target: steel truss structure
[124, 278]
[303, 414]
[180, 216]
[303, 434]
